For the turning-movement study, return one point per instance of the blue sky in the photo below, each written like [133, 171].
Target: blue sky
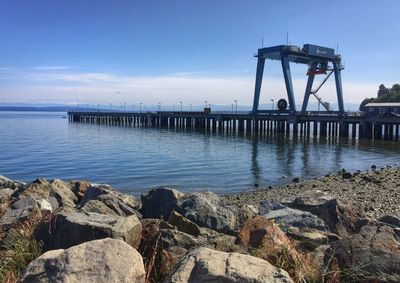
[95, 51]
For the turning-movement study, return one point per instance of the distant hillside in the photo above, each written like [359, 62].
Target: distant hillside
[32, 108]
[46, 108]
[384, 95]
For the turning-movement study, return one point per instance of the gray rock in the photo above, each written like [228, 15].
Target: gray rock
[5, 196]
[309, 239]
[183, 224]
[63, 193]
[390, 219]
[120, 203]
[339, 215]
[207, 210]
[79, 187]
[207, 265]
[175, 238]
[107, 260]
[6, 183]
[219, 241]
[372, 255]
[97, 206]
[14, 216]
[287, 217]
[346, 175]
[56, 192]
[69, 228]
[160, 202]
[40, 188]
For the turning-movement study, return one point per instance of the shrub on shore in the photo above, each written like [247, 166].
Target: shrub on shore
[19, 248]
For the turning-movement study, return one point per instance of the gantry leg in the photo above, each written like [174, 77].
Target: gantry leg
[310, 82]
[288, 81]
[259, 77]
[339, 90]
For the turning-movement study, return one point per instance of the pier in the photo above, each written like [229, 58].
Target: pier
[312, 124]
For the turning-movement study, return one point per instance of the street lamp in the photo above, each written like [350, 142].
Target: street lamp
[232, 107]
[141, 107]
[110, 106]
[98, 107]
[181, 105]
[273, 105]
[235, 105]
[124, 106]
[205, 103]
[159, 106]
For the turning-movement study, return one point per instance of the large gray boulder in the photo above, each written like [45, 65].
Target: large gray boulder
[160, 202]
[69, 228]
[206, 209]
[289, 217]
[373, 254]
[106, 260]
[339, 215]
[207, 265]
[118, 202]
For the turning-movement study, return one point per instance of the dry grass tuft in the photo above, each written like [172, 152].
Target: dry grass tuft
[18, 248]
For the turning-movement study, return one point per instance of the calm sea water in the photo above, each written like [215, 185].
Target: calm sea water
[135, 159]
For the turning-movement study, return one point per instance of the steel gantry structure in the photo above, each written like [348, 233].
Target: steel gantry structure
[320, 60]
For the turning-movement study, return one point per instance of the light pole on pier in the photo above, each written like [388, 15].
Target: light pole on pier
[141, 107]
[98, 107]
[181, 105]
[273, 104]
[205, 103]
[159, 106]
[124, 106]
[235, 105]
[110, 106]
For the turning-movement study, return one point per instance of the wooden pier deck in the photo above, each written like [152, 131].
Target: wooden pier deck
[317, 124]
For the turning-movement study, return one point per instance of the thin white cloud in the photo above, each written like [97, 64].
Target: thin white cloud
[68, 87]
[53, 68]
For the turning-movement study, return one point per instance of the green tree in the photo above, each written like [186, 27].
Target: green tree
[382, 90]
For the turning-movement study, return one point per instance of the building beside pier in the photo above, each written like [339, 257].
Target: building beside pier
[383, 109]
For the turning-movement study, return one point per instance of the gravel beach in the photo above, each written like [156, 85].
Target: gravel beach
[377, 190]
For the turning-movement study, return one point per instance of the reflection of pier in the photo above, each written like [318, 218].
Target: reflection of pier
[286, 120]
[312, 124]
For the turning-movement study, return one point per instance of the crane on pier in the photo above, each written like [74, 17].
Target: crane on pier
[320, 60]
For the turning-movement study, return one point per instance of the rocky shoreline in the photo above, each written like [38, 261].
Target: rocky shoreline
[340, 228]
[376, 190]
